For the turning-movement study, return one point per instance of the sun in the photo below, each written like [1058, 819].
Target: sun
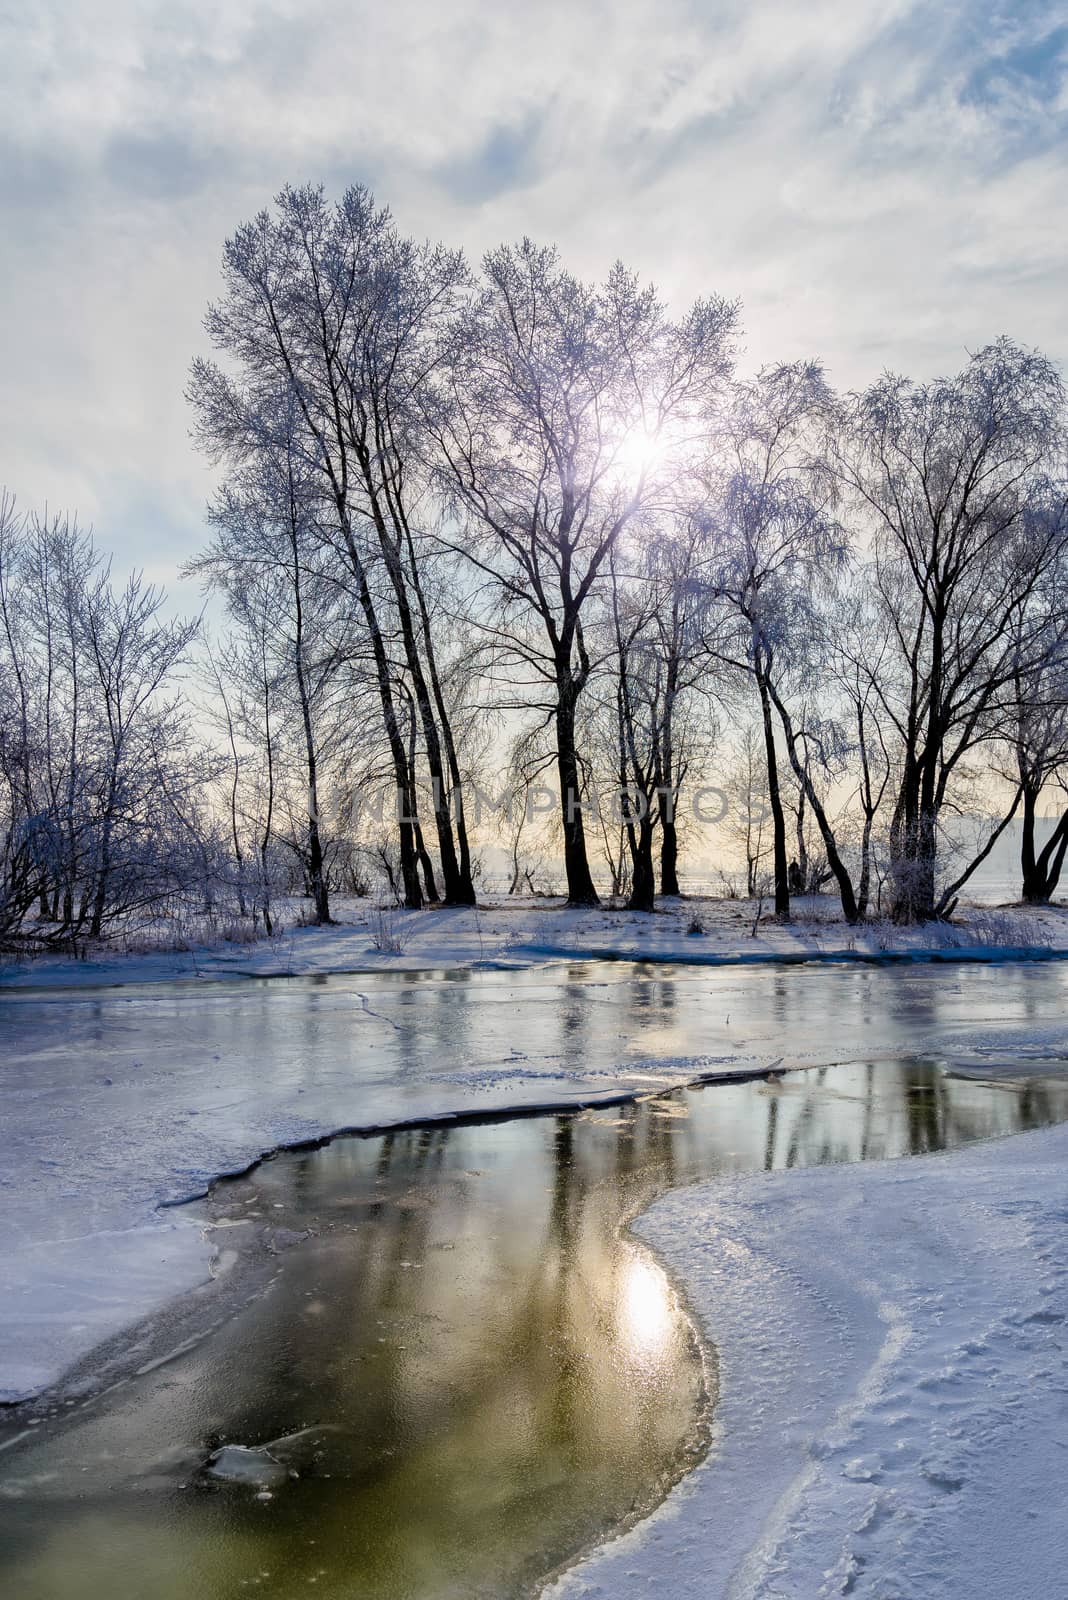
[638, 457]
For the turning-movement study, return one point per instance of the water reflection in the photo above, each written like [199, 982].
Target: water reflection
[466, 1371]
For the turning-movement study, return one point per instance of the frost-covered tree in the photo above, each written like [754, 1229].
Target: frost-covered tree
[956, 485]
[330, 304]
[267, 542]
[102, 776]
[652, 673]
[560, 421]
[772, 540]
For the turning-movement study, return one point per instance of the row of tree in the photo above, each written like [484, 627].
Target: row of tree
[511, 522]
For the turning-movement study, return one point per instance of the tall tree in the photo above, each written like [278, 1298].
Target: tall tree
[561, 420]
[266, 532]
[956, 480]
[334, 303]
[772, 536]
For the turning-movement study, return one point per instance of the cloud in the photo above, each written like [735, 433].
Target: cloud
[160, 166]
[881, 184]
[506, 159]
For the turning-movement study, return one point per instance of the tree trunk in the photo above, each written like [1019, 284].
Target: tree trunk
[423, 857]
[864, 885]
[421, 851]
[580, 886]
[266, 893]
[1032, 885]
[913, 863]
[916, 849]
[643, 883]
[802, 847]
[413, 897]
[913, 834]
[848, 898]
[914, 873]
[316, 878]
[778, 816]
[466, 880]
[459, 889]
[669, 851]
[1041, 869]
[316, 875]
[667, 786]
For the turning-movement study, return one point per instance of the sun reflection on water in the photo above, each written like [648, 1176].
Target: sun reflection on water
[647, 1320]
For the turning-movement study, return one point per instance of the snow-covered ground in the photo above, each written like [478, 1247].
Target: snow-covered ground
[893, 1410]
[523, 932]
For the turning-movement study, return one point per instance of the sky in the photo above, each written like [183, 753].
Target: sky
[882, 183]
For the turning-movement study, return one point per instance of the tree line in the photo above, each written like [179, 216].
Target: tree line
[505, 523]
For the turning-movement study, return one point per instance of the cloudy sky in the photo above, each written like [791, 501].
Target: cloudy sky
[883, 183]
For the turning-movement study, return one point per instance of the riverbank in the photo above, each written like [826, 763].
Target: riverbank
[525, 932]
[893, 1371]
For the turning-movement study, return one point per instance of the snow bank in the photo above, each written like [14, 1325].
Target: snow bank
[894, 1373]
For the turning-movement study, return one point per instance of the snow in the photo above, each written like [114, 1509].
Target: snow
[525, 932]
[893, 1379]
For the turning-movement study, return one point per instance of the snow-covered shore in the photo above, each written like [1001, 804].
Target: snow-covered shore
[893, 1410]
[524, 932]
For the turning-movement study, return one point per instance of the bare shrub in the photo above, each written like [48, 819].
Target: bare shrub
[1002, 928]
[388, 932]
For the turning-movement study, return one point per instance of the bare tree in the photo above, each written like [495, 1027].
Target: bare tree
[654, 669]
[132, 650]
[101, 775]
[857, 661]
[773, 538]
[331, 301]
[560, 422]
[956, 479]
[266, 533]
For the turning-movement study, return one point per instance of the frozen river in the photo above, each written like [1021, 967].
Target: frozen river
[115, 1099]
